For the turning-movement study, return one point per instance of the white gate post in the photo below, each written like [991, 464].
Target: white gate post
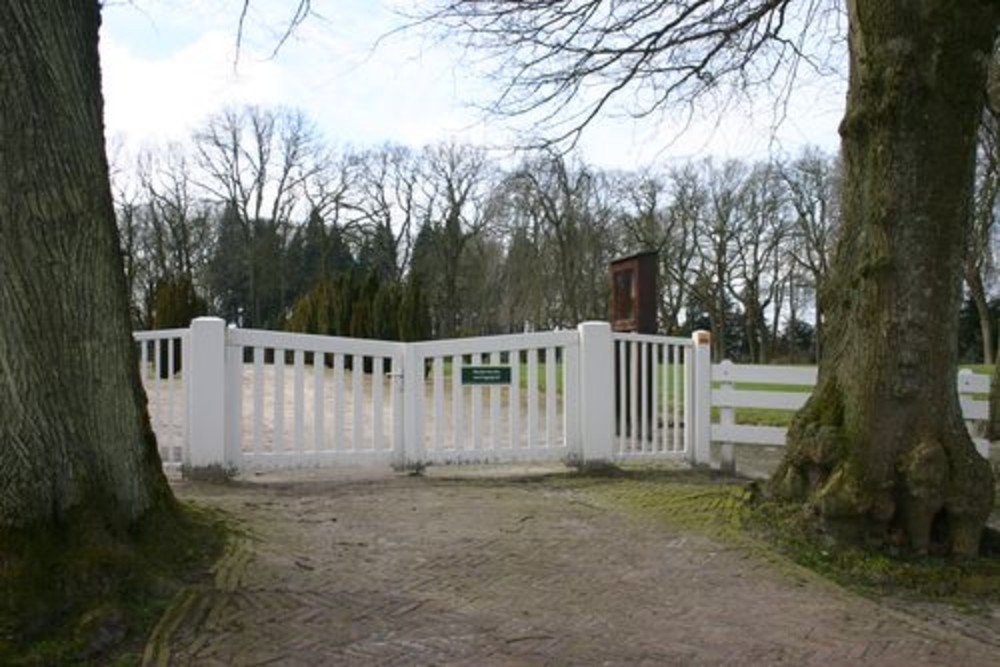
[702, 404]
[206, 385]
[596, 391]
[410, 455]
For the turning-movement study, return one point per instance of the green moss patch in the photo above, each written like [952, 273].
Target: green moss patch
[788, 529]
[89, 593]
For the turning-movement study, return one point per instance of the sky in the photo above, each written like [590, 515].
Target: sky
[169, 64]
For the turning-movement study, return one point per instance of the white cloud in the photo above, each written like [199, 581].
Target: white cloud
[164, 98]
[164, 73]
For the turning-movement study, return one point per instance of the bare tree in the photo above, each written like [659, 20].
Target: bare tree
[388, 204]
[525, 275]
[572, 219]
[812, 180]
[757, 240]
[127, 196]
[178, 220]
[458, 179]
[257, 161]
[716, 247]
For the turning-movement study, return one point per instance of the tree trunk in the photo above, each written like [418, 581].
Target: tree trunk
[74, 432]
[881, 450]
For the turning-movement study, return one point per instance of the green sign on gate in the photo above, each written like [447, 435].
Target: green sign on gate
[486, 375]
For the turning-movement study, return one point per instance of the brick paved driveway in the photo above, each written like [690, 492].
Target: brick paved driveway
[414, 571]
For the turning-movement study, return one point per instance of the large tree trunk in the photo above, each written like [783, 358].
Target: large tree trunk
[74, 432]
[881, 450]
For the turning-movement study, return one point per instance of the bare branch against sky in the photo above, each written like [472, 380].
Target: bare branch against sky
[302, 11]
[566, 62]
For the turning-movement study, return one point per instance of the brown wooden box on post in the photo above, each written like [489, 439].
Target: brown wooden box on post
[633, 293]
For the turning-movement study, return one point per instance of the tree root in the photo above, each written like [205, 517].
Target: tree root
[935, 499]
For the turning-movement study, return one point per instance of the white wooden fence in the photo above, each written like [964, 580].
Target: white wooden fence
[791, 388]
[249, 399]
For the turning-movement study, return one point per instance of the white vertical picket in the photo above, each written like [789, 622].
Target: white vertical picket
[668, 398]
[234, 403]
[396, 396]
[278, 443]
[457, 408]
[532, 397]
[515, 398]
[643, 395]
[438, 379]
[319, 383]
[378, 377]
[679, 397]
[300, 399]
[258, 400]
[633, 356]
[654, 408]
[419, 404]
[622, 369]
[171, 392]
[338, 402]
[157, 396]
[495, 407]
[357, 401]
[550, 397]
[477, 409]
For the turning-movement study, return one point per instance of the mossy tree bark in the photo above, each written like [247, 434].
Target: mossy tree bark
[881, 450]
[75, 437]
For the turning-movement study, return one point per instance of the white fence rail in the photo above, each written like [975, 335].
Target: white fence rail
[792, 386]
[261, 399]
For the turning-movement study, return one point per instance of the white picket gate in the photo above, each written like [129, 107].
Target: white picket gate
[249, 399]
[654, 393]
[295, 400]
[532, 416]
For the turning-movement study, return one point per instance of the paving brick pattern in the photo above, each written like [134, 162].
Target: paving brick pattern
[411, 571]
